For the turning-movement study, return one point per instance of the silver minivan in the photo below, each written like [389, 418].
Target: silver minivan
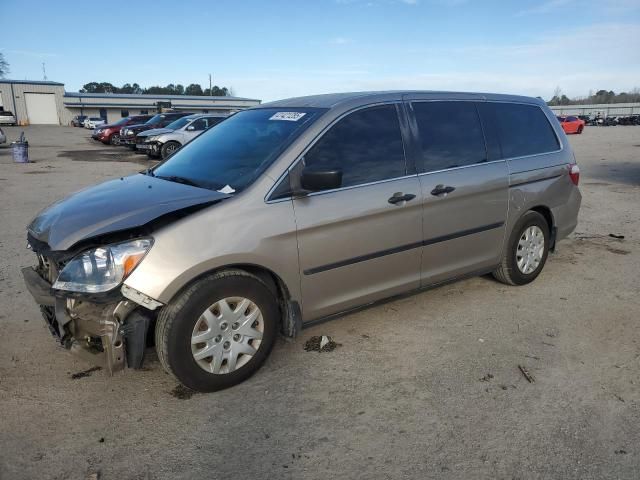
[296, 211]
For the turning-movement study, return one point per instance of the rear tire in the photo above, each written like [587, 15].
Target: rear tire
[169, 149]
[195, 312]
[115, 139]
[525, 254]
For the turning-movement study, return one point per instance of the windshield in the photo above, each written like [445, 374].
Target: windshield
[176, 124]
[154, 119]
[232, 154]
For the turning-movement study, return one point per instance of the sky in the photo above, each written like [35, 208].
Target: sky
[274, 49]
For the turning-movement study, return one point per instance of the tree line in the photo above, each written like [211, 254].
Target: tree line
[601, 96]
[171, 89]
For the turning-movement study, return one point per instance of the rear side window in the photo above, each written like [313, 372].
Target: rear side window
[366, 145]
[450, 135]
[523, 129]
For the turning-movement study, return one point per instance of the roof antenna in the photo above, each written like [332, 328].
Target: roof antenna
[44, 72]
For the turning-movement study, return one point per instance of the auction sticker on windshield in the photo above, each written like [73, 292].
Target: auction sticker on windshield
[288, 116]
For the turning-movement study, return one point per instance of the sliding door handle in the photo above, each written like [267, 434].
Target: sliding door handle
[400, 197]
[442, 190]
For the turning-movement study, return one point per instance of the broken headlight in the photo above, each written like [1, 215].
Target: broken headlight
[102, 269]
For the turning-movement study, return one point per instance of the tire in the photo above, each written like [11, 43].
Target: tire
[182, 318]
[509, 272]
[115, 139]
[579, 130]
[169, 149]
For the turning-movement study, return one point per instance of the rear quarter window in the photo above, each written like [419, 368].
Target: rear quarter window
[522, 129]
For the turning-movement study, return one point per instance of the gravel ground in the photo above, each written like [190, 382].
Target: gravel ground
[423, 387]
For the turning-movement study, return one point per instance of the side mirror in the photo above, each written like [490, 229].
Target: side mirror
[316, 180]
[191, 128]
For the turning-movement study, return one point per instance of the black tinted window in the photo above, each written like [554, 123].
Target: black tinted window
[211, 121]
[450, 135]
[523, 129]
[199, 124]
[366, 145]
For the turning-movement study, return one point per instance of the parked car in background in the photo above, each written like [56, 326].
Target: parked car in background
[629, 120]
[7, 118]
[297, 211]
[94, 122]
[78, 120]
[571, 124]
[128, 133]
[163, 142]
[110, 134]
[3, 137]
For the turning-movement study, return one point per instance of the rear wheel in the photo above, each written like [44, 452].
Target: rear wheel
[115, 139]
[169, 149]
[218, 331]
[526, 252]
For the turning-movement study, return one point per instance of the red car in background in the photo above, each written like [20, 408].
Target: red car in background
[110, 134]
[571, 124]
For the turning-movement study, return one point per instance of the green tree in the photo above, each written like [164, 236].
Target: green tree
[102, 87]
[193, 89]
[4, 66]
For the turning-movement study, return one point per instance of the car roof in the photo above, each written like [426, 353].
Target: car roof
[332, 100]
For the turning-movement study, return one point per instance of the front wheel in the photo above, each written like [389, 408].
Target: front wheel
[169, 149]
[526, 252]
[579, 130]
[115, 139]
[219, 331]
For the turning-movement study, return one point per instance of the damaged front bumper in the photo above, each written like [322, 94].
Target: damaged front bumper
[110, 331]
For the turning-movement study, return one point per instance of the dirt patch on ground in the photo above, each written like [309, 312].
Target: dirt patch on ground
[111, 155]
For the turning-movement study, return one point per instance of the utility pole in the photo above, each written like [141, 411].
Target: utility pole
[210, 87]
[44, 72]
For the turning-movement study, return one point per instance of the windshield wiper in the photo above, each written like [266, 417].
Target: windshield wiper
[179, 179]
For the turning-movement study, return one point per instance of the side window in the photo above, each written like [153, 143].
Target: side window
[450, 135]
[523, 129]
[211, 121]
[199, 124]
[366, 145]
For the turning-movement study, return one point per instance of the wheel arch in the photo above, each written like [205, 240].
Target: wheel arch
[548, 216]
[291, 314]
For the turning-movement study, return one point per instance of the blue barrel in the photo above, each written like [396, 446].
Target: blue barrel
[20, 151]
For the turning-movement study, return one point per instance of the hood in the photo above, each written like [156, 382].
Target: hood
[155, 131]
[113, 206]
[140, 127]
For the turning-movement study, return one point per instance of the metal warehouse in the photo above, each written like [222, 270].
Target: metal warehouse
[44, 102]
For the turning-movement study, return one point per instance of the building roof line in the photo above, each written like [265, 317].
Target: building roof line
[31, 82]
[212, 98]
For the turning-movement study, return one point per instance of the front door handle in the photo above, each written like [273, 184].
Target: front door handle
[400, 197]
[442, 190]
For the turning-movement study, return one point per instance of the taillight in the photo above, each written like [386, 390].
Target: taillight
[574, 173]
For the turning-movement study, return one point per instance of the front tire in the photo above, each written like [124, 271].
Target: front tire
[219, 331]
[169, 149]
[115, 139]
[526, 252]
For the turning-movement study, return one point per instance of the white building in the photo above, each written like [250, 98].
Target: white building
[44, 102]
